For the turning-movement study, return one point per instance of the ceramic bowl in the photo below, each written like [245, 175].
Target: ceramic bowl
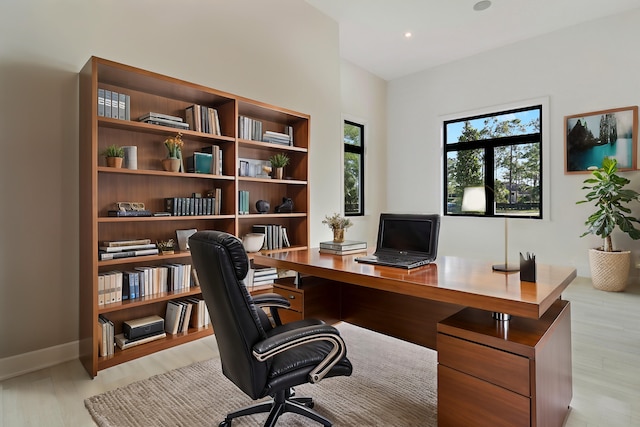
[253, 242]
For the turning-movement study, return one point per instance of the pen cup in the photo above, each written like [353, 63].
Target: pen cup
[527, 269]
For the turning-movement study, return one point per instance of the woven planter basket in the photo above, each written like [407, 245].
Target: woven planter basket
[609, 270]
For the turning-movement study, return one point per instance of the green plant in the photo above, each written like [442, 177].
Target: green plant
[165, 245]
[174, 145]
[337, 221]
[607, 190]
[279, 160]
[113, 151]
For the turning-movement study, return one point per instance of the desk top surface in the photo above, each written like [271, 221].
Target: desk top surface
[462, 281]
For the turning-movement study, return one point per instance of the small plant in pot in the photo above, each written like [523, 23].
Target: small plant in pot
[278, 162]
[338, 224]
[113, 155]
[609, 267]
[166, 247]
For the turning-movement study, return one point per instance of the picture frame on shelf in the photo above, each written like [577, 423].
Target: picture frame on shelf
[183, 238]
[590, 137]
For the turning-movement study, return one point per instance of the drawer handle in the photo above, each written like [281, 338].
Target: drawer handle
[292, 297]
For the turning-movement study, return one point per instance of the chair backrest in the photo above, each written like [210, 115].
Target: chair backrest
[221, 263]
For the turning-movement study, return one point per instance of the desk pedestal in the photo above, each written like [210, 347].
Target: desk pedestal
[515, 373]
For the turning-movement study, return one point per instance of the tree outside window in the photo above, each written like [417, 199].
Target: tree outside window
[353, 168]
[500, 152]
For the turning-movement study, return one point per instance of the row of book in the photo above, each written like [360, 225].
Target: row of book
[191, 206]
[182, 314]
[164, 120]
[113, 104]
[243, 202]
[252, 129]
[260, 277]
[203, 119]
[115, 286]
[275, 236]
[346, 247]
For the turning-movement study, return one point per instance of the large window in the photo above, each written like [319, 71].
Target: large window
[493, 165]
[353, 168]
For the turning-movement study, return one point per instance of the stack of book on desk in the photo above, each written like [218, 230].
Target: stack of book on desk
[343, 248]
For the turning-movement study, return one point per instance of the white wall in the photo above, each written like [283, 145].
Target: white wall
[364, 100]
[585, 68]
[282, 52]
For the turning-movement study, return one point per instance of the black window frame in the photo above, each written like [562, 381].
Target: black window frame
[350, 148]
[488, 145]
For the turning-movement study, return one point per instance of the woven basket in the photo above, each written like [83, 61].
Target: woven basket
[609, 270]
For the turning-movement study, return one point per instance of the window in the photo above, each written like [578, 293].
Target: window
[353, 168]
[497, 157]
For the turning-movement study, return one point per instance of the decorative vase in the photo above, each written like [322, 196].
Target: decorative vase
[338, 234]
[171, 164]
[279, 173]
[114, 162]
[262, 206]
[609, 270]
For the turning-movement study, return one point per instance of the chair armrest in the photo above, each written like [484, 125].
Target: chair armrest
[293, 338]
[271, 300]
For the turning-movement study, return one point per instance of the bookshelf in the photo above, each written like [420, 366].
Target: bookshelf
[101, 187]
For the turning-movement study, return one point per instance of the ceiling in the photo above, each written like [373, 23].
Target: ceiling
[372, 31]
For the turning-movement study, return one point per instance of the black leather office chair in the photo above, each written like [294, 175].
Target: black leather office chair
[260, 358]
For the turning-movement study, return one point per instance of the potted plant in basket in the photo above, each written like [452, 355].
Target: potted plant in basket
[278, 162]
[174, 157]
[609, 267]
[114, 156]
[337, 223]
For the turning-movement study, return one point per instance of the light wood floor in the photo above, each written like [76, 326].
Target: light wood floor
[606, 370]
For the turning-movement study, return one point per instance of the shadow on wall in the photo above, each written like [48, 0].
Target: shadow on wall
[39, 180]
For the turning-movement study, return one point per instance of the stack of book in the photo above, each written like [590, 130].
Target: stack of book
[277, 138]
[164, 120]
[264, 276]
[343, 248]
[243, 202]
[126, 249]
[249, 128]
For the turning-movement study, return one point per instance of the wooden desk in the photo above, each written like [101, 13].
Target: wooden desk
[447, 306]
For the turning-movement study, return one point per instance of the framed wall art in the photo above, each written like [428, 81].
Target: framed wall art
[590, 137]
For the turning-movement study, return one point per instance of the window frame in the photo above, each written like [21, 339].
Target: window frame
[488, 146]
[350, 148]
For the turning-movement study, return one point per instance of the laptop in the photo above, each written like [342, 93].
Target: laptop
[405, 240]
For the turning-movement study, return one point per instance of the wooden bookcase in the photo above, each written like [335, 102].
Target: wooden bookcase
[101, 187]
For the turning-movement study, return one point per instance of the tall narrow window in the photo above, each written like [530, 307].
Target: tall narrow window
[353, 168]
[497, 158]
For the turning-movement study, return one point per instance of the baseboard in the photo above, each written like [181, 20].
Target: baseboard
[29, 362]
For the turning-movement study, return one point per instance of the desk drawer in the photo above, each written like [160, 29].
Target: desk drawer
[487, 363]
[294, 296]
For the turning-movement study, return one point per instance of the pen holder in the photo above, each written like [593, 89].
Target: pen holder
[527, 269]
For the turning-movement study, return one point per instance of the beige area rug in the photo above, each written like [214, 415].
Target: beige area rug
[393, 384]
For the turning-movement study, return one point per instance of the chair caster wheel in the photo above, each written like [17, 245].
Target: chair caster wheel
[225, 423]
[309, 405]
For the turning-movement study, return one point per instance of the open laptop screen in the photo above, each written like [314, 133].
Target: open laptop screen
[415, 234]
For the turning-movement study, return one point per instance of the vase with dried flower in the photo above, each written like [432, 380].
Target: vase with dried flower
[166, 247]
[338, 224]
[174, 158]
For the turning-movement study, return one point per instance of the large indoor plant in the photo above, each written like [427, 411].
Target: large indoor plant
[609, 267]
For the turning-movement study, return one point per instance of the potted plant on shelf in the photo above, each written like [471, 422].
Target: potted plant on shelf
[166, 247]
[278, 162]
[609, 267]
[338, 224]
[114, 156]
[174, 158]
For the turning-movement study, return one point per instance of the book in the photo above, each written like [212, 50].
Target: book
[114, 213]
[172, 317]
[124, 343]
[115, 243]
[342, 252]
[105, 256]
[258, 272]
[127, 248]
[100, 102]
[152, 115]
[341, 246]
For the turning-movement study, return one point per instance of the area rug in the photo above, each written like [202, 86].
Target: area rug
[393, 384]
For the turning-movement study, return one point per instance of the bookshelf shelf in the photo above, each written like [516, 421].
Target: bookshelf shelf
[101, 187]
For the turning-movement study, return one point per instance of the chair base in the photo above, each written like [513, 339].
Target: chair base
[282, 402]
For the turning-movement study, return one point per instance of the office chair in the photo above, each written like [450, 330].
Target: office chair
[260, 357]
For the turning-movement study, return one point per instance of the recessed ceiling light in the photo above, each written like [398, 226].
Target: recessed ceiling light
[408, 34]
[482, 5]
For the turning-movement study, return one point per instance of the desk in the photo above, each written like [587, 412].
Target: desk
[448, 305]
